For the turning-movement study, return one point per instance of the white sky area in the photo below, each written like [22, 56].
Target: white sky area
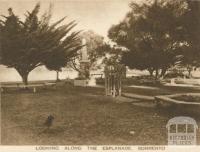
[96, 15]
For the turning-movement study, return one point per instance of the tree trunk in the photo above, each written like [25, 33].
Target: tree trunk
[164, 70]
[151, 71]
[25, 79]
[189, 69]
[24, 76]
[157, 73]
[189, 73]
[57, 76]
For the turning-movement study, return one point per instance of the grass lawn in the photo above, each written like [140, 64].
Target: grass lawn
[82, 116]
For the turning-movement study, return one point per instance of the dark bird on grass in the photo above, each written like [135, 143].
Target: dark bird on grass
[49, 121]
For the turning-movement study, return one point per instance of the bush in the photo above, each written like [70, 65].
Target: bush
[141, 80]
[78, 78]
[100, 81]
[174, 74]
[147, 80]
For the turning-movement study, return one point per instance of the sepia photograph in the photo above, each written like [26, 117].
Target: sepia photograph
[100, 72]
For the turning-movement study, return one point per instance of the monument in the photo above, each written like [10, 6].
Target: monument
[84, 72]
[84, 78]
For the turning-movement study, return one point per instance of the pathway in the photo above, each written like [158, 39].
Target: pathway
[136, 99]
[137, 96]
[143, 87]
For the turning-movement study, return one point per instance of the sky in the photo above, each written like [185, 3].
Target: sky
[96, 15]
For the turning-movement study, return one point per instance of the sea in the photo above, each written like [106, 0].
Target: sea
[40, 73]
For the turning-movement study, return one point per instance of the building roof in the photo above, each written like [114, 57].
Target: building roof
[182, 120]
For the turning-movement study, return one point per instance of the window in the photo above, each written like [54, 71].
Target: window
[181, 128]
[190, 128]
[173, 128]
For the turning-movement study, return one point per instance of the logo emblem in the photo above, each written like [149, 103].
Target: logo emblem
[182, 131]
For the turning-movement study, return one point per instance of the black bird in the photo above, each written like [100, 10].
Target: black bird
[49, 121]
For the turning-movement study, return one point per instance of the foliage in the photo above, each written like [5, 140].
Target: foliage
[174, 74]
[94, 43]
[153, 34]
[95, 50]
[190, 34]
[35, 42]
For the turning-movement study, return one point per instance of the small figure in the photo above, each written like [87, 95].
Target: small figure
[49, 121]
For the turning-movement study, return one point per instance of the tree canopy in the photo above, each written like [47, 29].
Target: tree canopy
[191, 35]
[33, 42]
[156, 34]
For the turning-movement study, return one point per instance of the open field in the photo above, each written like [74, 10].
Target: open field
[83, 116]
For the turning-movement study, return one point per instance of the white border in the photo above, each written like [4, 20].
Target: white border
[106, 148]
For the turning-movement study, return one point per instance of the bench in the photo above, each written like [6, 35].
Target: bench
[34, 87]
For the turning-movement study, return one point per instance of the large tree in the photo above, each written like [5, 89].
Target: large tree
[34, 42]
[190, 34]
[151, 32]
